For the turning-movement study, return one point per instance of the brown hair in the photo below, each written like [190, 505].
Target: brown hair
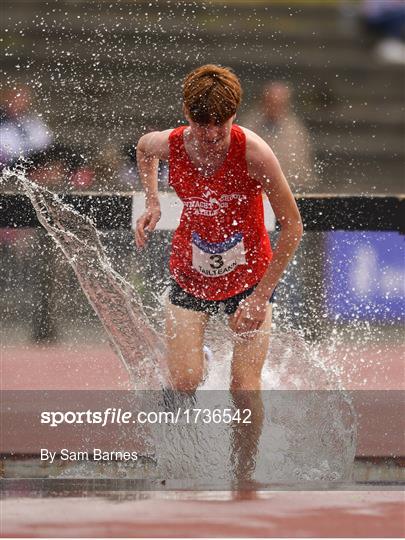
[211, 93]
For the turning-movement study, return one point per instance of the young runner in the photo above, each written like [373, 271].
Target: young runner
[221, 257]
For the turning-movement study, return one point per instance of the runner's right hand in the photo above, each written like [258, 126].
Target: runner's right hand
[146, 223]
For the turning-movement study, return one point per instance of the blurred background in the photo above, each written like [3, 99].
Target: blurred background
[323, 84]
[97, 75]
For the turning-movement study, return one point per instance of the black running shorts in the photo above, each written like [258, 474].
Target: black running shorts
[179, 297]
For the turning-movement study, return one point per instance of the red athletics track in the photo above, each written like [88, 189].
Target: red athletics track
[96, 367]
[277, 514]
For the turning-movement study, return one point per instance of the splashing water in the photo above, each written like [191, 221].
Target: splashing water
[138, 345]
[306, 436]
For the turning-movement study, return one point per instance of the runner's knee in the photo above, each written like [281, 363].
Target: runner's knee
[186, 382]
[186, 378]
[245, 381]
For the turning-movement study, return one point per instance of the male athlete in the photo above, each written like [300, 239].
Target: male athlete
[221, 256]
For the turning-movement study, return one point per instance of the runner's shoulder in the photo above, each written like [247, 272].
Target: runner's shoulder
[257, 149]
[156, 143]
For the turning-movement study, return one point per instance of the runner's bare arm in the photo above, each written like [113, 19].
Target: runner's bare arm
[151, 148]
[264, 167]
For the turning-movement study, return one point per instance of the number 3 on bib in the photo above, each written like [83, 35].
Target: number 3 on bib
[217, 259]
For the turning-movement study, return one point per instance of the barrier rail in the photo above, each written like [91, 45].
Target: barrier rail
[320, 212]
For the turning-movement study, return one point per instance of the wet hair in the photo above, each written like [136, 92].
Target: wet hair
[211, 93]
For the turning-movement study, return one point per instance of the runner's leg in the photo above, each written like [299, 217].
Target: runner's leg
[247, 364]
[249, 356]
[185, 340]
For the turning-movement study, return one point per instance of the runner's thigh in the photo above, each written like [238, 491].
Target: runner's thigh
[185, 340]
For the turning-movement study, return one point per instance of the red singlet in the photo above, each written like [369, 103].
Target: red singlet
[221, 246]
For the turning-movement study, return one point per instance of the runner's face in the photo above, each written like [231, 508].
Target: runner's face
[212, 135]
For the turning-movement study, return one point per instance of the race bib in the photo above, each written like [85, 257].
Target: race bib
[217, 259]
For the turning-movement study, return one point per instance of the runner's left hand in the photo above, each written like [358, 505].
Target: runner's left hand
[249, 316]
